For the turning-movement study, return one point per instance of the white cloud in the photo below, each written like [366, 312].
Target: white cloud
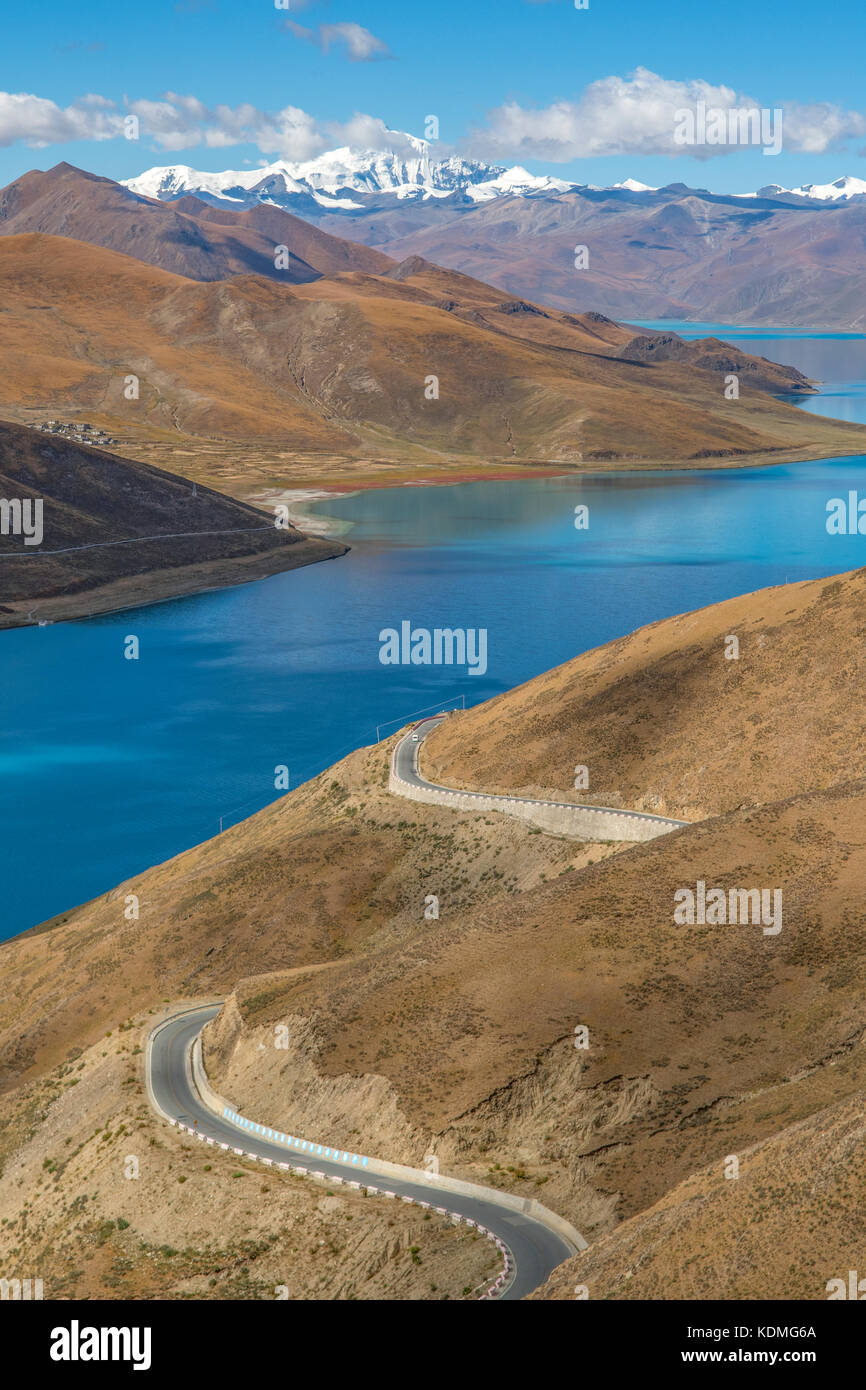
[358, 43]
[633, 115]
[361, 46]
[180, 122]
[636, 115]
[183, 122]
[39, 122]
[290, 133]
[369, 133]
[820, 127]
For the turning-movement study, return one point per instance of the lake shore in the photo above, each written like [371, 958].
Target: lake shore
[324, 533]
[306, 484]
[287, 673]
[141, 591]
[298, 498]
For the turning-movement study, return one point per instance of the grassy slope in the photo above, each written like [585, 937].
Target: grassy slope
[186, 237]
[70, 1214]
[664, 719]
[239, 371]
[311, 879]
[791, 1221]
[704, 1041]
[91, 498]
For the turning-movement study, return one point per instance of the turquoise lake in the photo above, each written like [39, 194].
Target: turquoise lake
[109, 765]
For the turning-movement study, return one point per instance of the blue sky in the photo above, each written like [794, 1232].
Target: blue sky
[535, 82]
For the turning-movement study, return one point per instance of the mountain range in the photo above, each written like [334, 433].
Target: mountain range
[345, 179]
[344, 359]
[777, 256]
[187, 236]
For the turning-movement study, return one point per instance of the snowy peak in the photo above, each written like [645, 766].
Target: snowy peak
[351, 179]
[633, 186]
[348, 179]
[516, 181]
[327, 179]
[371, 171]
[839, 190]
[846, 187]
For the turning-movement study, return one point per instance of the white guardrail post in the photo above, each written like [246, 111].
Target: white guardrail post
[381, 1167]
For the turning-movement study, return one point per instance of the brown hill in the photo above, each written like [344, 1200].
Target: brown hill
[789, 1224]
[708, 739]
[186, 237]
[326, 254]
[218, 912]
[674, 253]
[338, 369]
[704, 1041]
[68, 1211]
[115, 532]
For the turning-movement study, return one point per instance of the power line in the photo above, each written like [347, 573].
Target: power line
[403, 717]
[133, 540]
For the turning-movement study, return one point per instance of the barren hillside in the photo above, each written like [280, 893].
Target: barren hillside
[187, 238]
[245, 382]
[105, 1201]
[664, 721]
[788, 1224]
[114, 533]
[673, 252]
[459, 1033]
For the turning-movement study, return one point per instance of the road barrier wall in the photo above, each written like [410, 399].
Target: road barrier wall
[378, 1167]
[578, 822]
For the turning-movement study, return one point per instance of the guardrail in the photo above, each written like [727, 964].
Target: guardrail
[581, 822]
[495, 1288]
[228, 1113]
[528, 1206]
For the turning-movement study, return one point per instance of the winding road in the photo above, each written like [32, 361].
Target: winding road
[600, 822]
[525, 1233]
[533, 1249]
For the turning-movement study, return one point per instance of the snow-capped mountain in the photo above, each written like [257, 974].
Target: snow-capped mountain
[840, 190]
[348, 179]
[634, 186]
[515, 181]
[353, 180]
[847, 187]
[331, 179]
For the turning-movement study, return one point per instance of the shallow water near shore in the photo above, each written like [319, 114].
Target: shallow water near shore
[109, 765]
